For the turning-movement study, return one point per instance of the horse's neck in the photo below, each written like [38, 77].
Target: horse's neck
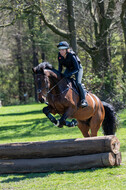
[57, 84]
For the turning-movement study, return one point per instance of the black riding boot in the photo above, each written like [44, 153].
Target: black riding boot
[82, 95]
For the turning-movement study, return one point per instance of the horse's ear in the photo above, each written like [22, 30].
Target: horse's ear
[37, 70]
[34, 70]
[42, 71]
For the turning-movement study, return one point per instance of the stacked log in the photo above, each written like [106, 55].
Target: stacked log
[60, 155]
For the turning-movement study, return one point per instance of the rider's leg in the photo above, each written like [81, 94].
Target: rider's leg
[78, 77]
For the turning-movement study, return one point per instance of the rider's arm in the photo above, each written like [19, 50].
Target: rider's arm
[76, 66]
[60, 65]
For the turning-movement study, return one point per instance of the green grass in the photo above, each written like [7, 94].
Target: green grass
[27, 123]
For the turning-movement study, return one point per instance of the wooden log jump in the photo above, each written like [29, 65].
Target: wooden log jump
[59, 155]
[60, 148]
[58, 164]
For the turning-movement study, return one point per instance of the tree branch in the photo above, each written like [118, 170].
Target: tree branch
[55, 29]
[83, 44]
[5, 8]
[10, 9]
[109, 14]
[39, 11]
[94, 17]
[123, 10]
[123, 18]
[8, 24]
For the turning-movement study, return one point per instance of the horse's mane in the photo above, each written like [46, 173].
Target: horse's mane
[47, 65]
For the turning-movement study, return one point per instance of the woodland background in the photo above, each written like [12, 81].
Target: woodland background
[31, 29]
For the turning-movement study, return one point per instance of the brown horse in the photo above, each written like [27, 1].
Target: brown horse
[63, 98]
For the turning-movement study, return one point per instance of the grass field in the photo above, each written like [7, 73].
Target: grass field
[27, 123]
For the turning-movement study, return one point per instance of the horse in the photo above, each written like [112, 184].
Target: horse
[63, 99]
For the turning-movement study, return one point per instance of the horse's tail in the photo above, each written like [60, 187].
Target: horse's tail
[109, 124]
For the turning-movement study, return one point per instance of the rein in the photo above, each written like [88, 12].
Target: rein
[54, 86]
[39, 90]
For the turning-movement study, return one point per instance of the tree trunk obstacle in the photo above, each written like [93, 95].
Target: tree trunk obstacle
[60, 155]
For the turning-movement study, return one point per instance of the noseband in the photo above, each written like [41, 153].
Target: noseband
[39, 82]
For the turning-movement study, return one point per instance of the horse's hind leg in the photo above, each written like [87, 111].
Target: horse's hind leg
[84, 128]
[95, 124]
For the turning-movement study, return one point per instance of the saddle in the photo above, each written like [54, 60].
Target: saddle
[72, 84]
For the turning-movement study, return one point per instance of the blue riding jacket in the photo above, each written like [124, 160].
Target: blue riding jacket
[70, 62]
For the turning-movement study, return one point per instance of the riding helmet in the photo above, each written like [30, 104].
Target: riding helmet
[63, 45]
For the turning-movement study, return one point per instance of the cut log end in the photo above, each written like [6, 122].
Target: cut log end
[108, 159]
[118, 159]
[115, 145]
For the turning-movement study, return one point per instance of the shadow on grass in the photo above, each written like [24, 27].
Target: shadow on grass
[123, 148]
[123, 137]
[33, 123]
[19, 177]
[124, 123]
[36, 127]
[31, 128]
[22, 113]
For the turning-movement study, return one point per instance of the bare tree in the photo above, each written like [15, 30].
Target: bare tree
[123, 22]
[18, 54]
[102, 16]
[34, 51]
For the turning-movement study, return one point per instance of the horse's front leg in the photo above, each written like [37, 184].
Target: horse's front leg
[46, 111]
[62, 121]
[72, 123]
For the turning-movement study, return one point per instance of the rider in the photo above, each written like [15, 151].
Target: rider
[73, 67]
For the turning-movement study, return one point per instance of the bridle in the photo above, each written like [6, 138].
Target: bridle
[39, 90]
[39, 82]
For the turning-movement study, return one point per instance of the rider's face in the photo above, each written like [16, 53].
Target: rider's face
[63, 52]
